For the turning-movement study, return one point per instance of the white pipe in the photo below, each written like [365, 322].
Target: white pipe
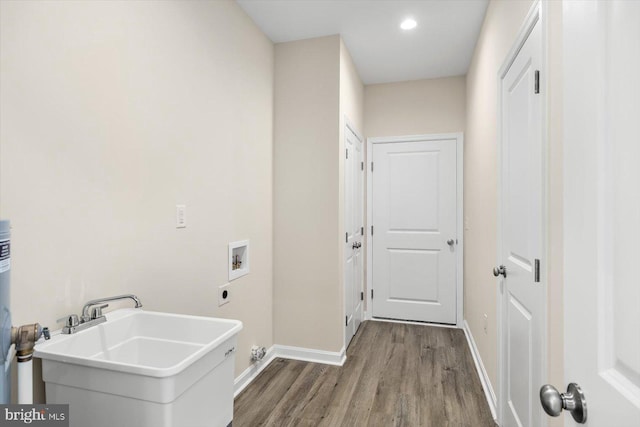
[25, 382]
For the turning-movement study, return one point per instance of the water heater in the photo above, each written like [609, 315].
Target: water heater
[5, 313]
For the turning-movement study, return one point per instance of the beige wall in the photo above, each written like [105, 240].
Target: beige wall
[316, 87]
[415, 107]
[555, 320]
[502, 23]
[114, 112]
[351, 92]
[307, 298]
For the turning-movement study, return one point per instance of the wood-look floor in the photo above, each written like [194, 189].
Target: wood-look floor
[395, 375]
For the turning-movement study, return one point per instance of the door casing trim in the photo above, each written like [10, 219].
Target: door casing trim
[458, 137]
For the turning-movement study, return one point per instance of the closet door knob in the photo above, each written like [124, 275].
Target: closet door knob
[500, 271]
[553, 402]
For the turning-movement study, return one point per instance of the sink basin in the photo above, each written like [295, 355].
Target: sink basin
[143, 368]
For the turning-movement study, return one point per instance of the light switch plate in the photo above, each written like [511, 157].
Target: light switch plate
[181, 216]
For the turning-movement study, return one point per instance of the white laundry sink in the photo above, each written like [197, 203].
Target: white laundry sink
[143, 368]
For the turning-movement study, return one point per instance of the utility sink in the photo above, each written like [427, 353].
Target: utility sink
[142, 368]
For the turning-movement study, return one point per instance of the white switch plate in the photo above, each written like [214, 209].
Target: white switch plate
[181, 216]
[223, 297]
[485, 323]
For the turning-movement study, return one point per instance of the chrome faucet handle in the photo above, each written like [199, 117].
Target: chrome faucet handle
[97, 311]
[70, 320]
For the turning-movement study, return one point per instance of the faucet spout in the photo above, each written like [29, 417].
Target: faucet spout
[86, 316]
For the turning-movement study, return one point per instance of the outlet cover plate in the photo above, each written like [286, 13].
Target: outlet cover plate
[224, 294]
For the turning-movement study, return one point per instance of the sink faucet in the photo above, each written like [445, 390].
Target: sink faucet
[92, 314]
[88, 314]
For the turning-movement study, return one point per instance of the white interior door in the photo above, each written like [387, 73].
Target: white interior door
[522, 297]
[602, 208]
[354, 226]
[414, 230]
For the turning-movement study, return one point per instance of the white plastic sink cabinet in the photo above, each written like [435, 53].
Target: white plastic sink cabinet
[144, 369]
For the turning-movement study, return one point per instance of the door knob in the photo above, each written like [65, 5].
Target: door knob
[356, 245]
[450, 242]
[502, 270]
[553, 402]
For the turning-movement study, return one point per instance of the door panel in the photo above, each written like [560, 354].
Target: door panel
[521, 229]
[414, 270]
[602, 208]
[413, 208]
[353, 222]
[520, 337]
[414, 214]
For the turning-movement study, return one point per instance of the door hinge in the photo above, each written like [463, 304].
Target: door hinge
[361, 296]
[371, 293]
[346, 321]
[372, 230]
[346, 237]
[347, 150]
[537, 82]
[361, 166]
[362, 231]
[371, 166]
[536, 273]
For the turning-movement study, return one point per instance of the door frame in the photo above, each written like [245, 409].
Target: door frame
[348, 124]
[457, 138]
[537, 13]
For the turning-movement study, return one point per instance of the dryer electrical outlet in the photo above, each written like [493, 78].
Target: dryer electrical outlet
[224, 294]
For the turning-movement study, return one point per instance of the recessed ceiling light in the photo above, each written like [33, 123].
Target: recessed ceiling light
[408, 24]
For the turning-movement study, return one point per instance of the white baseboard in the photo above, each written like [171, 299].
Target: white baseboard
[311, 355]
[250, 374]
[287, 352]
[482, 372]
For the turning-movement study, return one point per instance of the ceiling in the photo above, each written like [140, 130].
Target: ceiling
[441, 45]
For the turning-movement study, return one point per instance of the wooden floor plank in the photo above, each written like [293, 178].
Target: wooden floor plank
[396, 375]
